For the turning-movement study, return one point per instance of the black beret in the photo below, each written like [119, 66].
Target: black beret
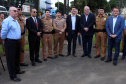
[58, 11]
[101, 7]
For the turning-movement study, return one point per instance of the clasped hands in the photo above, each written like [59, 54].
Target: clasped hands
[113, 35]
[86, 29]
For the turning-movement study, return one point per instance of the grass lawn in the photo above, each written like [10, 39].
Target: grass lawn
[27, 45]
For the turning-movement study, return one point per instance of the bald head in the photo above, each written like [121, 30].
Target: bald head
[13, 12]
[86, 10]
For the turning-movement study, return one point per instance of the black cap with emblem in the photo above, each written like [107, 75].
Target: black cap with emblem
[101, 7]
[58, 11]
[19, 7]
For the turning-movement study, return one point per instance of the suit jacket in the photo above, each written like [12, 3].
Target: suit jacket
[32, 29]
[89, 24]
[119, 27]
[69, 24]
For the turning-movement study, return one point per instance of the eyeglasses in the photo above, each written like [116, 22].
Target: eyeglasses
[14, 10]
[34, 11]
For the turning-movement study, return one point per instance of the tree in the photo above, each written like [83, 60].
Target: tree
[93, 4]
[113, 3]
[61, 6]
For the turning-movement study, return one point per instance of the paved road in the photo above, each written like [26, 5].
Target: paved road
[69, 70]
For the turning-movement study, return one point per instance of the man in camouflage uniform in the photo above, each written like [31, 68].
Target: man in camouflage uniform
[47, 36]
[21, 21]
[59, 25]
[124, 42]
[1, 40]
[101, 34]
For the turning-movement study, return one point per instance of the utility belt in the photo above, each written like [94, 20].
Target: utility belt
[47, 32]
[52, 32]
[22, 33]
[100, 30]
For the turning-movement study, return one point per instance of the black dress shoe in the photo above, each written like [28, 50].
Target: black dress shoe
[97, 56]
[68, 55]
[114, 62]
[108, 60]
[123, 57]
[39, 61]
[51, 57]
[74, 55]
[84, 55]
[23, 64]
[61, 55]
[56, 56]
[45, 59]
[20, 72]
[89, 56]
[33, 64]
[102, 58]
[16, 79]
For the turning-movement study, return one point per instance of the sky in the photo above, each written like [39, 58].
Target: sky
[54, 1]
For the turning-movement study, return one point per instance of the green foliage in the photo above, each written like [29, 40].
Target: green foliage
[113, 3]
[61, 6]
[93, 4]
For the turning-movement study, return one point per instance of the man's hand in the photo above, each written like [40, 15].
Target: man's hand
[113, 36]
[38, 33]
[86, 29]
[66, 33]
[124, 31]
[62, 30]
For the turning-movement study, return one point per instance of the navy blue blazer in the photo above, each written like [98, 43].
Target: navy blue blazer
[119, 27]
[69, 24]
[89, 24]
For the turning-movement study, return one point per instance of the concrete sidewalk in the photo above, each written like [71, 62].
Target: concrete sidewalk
[69, 70]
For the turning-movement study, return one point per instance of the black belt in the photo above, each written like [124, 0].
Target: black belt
[47, 32]
[100, 30]
[23, 33]
[11, 39]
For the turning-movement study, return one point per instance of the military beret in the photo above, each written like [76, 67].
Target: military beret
[101, 7]
[58, 11]
[18, 6]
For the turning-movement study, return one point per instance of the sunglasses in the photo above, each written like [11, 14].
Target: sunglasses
[34, 11]
[14, 10]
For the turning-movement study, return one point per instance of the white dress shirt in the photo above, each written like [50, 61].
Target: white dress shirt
[114, 22]
[86, 16]
[73, 19]
[34, 19]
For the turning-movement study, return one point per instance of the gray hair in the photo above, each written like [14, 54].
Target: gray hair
[87, 7]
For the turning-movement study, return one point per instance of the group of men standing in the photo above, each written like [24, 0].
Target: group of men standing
[13, 33]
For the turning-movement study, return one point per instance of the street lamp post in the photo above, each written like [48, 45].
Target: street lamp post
[64, 7]
[58, 4]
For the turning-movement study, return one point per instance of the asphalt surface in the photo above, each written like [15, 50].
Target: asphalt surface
[69, 70]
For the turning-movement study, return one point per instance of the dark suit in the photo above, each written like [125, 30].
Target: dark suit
[34, 40]
[119, 27]
[87, 36]
[72, 34]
